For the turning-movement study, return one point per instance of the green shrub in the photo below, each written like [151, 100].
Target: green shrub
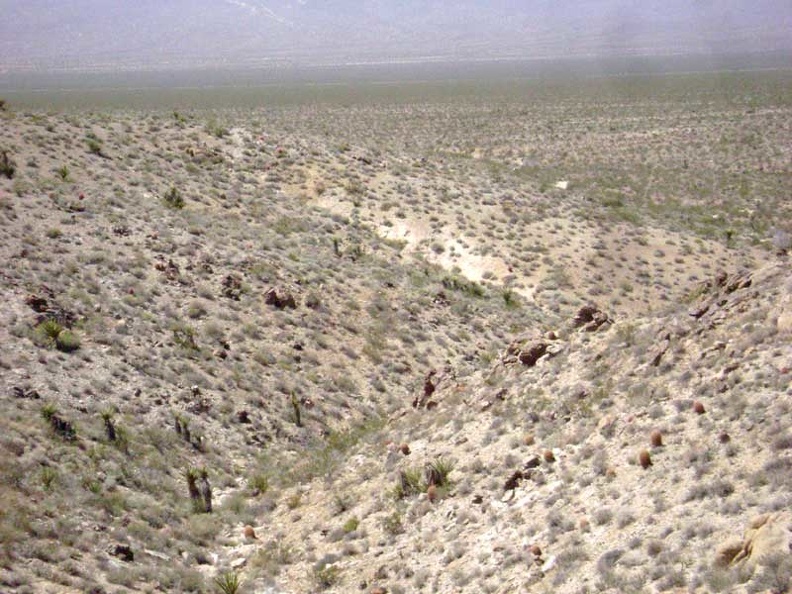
[48, 331]
[184, 336]
[351, 525]
[67, 341]
[326, 575]
[414, 480]
[94, 146]
[173, 199]
[259, 482]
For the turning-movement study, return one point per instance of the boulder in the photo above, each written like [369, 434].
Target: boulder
[532, 353]
[590, 318]
[768, 535]
[280, 299]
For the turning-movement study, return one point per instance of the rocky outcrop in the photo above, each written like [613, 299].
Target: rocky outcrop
[590, 318]
[232, 287]
[280, 298]
[767, 536]
[528, 352]
[718, 296]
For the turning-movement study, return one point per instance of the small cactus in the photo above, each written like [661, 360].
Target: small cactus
[644, 459]
[295, 402]
[656, 439]
[431, 493]
[110, 428]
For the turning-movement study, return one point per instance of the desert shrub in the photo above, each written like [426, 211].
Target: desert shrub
[51, 333]
[259, 483]
[326, 575]
[173, 199]
[458, 283]
[7, 165]
[67, 341]
[94, 145]
[351, 525]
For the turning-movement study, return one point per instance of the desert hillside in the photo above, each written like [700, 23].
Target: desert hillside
[452, 339]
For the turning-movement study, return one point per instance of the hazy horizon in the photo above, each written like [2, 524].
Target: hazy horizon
[112, 36]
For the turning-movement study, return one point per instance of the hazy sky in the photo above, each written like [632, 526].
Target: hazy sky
[112, 34]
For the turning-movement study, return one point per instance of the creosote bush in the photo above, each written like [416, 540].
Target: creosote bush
[173, 199]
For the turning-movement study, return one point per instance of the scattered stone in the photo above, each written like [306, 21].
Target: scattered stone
[548, 456]
[63, 427]
[232, 287]
[237, 563]
[549, 564]
[29, 393]
[644, 459]
[37, 303]
[530, 355]
[404, 449]
[698, 407]
[249, 533]
[243, 417]
[727, 552]
[431, 493]
[590, 318]
[533, 462]
[660, 350]
[429, 387]
[123, 552]
[170, 269]
[656, 438]
[280, 299]
[513, 481]
[156, 555]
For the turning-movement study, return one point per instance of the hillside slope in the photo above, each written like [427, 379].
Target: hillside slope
[376, 346]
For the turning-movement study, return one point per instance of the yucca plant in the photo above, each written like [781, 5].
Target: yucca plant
[228, 582]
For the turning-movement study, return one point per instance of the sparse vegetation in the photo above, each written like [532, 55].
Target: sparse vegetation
[173, 199]
[339, 332]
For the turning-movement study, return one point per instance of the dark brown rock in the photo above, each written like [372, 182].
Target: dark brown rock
[530, 355]
[280, 299]
[123, 552]
[590, 318]
[513, 481]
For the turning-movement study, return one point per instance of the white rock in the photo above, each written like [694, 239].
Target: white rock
[549, 564]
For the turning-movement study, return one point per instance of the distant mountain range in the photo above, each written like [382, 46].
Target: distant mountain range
[157, 34]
